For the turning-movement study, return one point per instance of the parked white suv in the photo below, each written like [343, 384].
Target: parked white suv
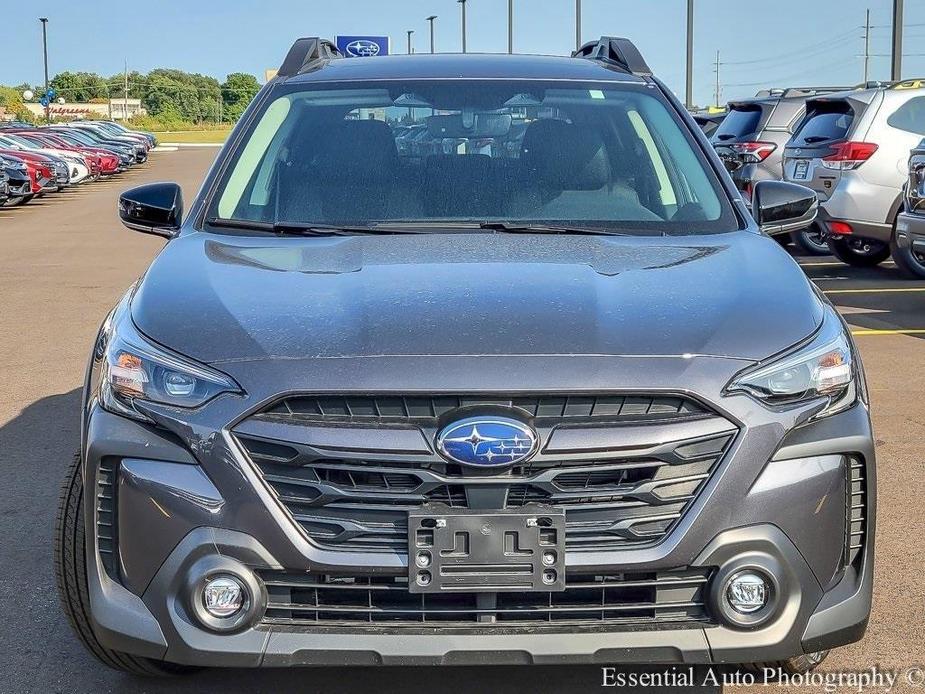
[852, 148]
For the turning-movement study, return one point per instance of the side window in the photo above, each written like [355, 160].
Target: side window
[910, 116]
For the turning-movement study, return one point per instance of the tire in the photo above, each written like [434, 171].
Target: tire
[810, 241]
[859, 252]
[910, 263]
[18, 200]
[798, 665]
[71, 576]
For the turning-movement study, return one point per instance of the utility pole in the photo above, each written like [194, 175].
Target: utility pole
[44, 21]
[897, 65]
[125, 94]
[462, 4]
[577, 24]
[689, 91]
[431, 20]
[410, 48]
[867, 47]
[716, 69]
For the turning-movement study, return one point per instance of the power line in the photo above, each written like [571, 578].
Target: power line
[798, 53]
[787, 78]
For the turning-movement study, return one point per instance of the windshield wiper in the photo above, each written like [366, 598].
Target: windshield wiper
[517, 228]
[386, 228]
[301, 228]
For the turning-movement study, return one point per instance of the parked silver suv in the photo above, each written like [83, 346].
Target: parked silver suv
[751, 140]
[852, 148]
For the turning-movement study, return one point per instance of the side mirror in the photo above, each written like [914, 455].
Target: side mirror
[780, 207]
[154, 208]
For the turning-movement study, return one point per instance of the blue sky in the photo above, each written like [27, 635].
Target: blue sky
[772, 42]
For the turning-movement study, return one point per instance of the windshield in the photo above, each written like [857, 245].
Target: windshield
[742, 121]
[77, 137]
[472, 153]
[824, 122]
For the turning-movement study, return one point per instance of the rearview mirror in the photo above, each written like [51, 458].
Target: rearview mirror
[155, 208]
[469, 125]
[780, 207]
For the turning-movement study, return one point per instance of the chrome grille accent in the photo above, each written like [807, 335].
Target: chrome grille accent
[390, 407]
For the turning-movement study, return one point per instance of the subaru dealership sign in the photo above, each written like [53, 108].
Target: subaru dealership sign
[362, 46]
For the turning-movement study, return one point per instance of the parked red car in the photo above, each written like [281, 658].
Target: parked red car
[41, 171]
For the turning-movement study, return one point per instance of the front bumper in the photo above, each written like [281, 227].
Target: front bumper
[910, 231]
[776, 501]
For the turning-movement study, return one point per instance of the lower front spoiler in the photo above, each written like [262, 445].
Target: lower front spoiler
[160, 624]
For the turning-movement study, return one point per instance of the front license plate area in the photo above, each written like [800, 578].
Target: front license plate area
[456, 550]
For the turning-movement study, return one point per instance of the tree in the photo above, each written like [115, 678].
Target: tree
[79, 86]
[11, 101]
[238, 90]
[166, 93]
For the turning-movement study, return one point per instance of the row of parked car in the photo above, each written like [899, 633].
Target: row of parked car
[850, 145]
[37, 161]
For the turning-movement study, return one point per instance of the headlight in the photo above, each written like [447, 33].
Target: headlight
[135, 369]
[824, 367]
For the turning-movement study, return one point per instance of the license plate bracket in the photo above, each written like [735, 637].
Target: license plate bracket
[465, 550]
[801, 170]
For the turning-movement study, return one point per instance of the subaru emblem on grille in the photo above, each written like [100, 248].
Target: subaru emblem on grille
[487, 441]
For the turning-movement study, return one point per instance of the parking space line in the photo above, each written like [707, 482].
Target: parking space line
[869, 333]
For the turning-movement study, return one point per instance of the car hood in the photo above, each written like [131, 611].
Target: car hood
[221, 297]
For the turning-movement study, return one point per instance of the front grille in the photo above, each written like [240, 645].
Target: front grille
[348, 472]
[397, 408]
[106, 521]
[301, 599]
[855, 510]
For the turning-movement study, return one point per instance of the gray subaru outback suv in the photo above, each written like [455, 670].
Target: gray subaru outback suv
[555, 402]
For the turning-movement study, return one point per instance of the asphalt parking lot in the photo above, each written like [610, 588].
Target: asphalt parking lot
[66, 259]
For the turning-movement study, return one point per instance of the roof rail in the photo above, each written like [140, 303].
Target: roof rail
[798, 91]
[304, 52]
[914, 83]
[620, 51]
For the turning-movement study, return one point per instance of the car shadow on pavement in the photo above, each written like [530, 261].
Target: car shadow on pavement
[40, 653]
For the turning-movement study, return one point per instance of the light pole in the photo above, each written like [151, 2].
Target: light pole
[462, 4]
[510, 26]
[409, 32]
[431, 20]
[896, 68]
[44, 21]
[689, 91]
[577, 24]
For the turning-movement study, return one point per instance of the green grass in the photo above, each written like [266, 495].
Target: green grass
[194, 136]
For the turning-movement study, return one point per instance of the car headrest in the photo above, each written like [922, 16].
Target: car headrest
[359, 151]
[565, 156]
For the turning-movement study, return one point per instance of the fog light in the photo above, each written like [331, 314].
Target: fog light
[747, 592]
[223, 596]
